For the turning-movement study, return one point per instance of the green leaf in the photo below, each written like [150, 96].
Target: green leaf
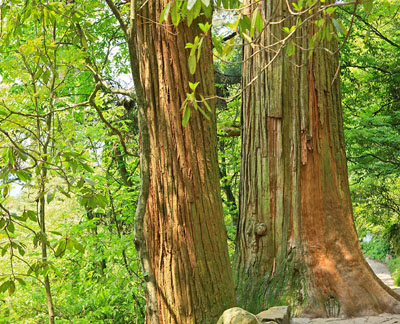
[192, 64]
[201, 110]
[165, 13]
[193, 86]
[62, 245]
[3, 223]
[175, 16]
[259, 22]
[77, 246]
[204, 101]
[290, 49]
[5, 286]
[23, 175]
[50, 195]
[186, 115]
[56, 233]
[339, 27]
[6, 190]
[253, 22]
[191, 4]
[244, 24]
[11, 288]
[4, 249]
[368, 4]
[32, 215]
[87, 167]
[206, 2]
[205, 27]
[189, 17]
[11, 227]
[21, 281]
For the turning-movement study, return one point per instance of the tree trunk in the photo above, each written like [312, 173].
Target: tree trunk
[184, 226]
[297, 242]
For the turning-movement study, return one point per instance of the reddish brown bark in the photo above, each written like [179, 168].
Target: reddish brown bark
[184, 225]
[294, 185]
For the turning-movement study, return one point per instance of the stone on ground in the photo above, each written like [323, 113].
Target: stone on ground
[278, 314]
[237, 315]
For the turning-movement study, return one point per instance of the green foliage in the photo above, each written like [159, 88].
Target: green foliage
[370, 87]
[394, 267]
[376, 249]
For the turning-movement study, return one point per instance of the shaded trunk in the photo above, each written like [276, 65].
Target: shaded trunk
[184, 225]
[297, 242]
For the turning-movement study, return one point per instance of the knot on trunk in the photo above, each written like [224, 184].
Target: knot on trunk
[261, 229]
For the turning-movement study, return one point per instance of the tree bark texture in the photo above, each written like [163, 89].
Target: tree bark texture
[297, 243]
[184, 225]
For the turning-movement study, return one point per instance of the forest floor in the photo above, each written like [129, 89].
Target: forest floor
[383, 273]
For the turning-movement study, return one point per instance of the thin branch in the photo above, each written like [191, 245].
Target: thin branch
[108, 86]
[115, 130]
[118, 15]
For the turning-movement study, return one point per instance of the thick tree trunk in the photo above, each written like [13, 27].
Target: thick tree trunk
[184, 226]
[297, 242]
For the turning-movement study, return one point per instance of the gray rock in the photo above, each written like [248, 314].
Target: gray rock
[237, 315]
[278, 314]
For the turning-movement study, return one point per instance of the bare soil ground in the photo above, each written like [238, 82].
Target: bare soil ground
[383, 273]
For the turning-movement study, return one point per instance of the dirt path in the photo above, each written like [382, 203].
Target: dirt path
[383, 273]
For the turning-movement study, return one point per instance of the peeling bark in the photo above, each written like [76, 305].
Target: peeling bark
[294, 182]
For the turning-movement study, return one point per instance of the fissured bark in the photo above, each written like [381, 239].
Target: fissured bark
[297, 243]
[184, 224]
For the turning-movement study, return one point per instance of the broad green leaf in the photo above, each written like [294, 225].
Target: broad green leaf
[192, 64]
[32, 215]
[11, 227]
[62, 245]
[4, 286]
[206, 2]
